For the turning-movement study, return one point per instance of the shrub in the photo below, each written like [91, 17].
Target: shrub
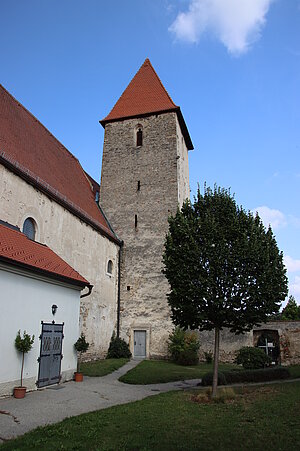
[208, 379]
[81, 346]
[118, 348]
[23, 345]
[260, 375]
[183, 347]
[252, 358]
[208, 357]
[236, 376]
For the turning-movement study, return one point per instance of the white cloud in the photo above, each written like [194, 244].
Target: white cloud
[236, 23]
[292, 264]
[272, 217]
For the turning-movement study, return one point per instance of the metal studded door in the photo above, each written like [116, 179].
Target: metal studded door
[51, 354]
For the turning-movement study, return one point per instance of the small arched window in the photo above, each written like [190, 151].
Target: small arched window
[109, 267]
[139, 137]
[29, 228]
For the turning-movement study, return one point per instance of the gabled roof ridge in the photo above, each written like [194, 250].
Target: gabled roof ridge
[32, 152]
[40, 123]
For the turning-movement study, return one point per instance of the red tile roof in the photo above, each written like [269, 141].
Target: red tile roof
[16, 248]
[145, 95]
[27, 147]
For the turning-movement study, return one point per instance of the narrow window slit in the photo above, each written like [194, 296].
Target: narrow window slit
[135, 221]
[139, 137]
[139, 185]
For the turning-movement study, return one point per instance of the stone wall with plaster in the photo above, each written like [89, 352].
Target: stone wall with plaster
[85, 249]
[140, 188]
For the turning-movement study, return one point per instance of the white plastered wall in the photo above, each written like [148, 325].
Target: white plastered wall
[85, 249]
[25, 302]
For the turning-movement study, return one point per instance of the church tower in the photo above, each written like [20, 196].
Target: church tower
[144, 178]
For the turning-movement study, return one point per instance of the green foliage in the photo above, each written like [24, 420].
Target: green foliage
[207, 379]
[99, 368]
[252, 358]
[208, 357]
[235, 377]
[183, 347]
[259, 375]
[24, 344]
[161, 371]
[258, 418]
[118, 348]
[223, 266]
[81, 344]
[291, 310]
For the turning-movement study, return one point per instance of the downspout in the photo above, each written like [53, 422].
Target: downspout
[119, 289]
[90, 287]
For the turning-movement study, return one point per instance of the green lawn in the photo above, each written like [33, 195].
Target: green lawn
[259, 418]
[294, 370]
[157, 371]
[102, 367]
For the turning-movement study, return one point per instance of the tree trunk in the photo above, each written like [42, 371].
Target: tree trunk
[78, 361]
[22, 369]
[216, 362]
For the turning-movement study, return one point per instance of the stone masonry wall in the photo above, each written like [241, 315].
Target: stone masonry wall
[85, 249]
[288, 334]
[143, 182]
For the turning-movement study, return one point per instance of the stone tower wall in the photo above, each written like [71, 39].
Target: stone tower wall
[144, 184]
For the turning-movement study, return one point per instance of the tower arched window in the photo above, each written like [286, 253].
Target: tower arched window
[109, 267]
[29, 228]
[139, 137]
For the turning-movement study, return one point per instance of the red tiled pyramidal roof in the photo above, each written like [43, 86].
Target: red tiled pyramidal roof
[145, 95]
[16, 248]
[29, 149]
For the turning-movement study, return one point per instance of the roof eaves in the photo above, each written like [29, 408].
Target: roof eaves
[103, 122]
[176, 109]
[44, 272]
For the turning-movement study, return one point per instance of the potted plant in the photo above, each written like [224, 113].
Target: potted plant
[81, 346]
[23, 345]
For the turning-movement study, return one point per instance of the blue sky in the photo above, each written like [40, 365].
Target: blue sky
[232, 65]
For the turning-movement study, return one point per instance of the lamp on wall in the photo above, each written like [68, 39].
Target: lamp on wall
[54, 308]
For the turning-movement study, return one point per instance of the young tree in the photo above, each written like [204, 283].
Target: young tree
[291, 311]
[224, 268]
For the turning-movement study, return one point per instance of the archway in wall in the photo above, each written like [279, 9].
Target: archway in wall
[268, 341]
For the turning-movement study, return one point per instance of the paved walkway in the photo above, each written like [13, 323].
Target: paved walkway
[54, 403]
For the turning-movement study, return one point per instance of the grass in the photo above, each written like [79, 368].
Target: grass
[101, 367]
[261, 418]
[159, 371]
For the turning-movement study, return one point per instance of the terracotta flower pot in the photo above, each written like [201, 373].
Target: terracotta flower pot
[19, 392]
[78, 377]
